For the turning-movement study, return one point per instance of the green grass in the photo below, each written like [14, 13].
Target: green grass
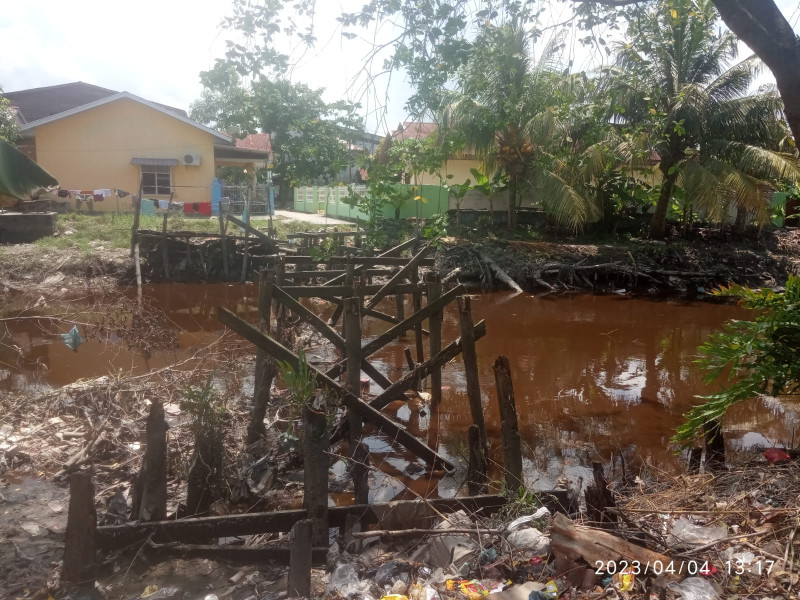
[86, 232]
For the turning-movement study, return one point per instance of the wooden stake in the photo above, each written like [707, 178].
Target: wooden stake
[138, 266]
[79, 569]
[246, 254]
[361, 473]
[315, 489]
[265, 365]
[150, 499]
[695, 457]
[416, 303]
[512, 450]
[470, 358]
[352, 326]
[476, 471]
[435, 339]
[164, 249]
[222, 230]
[400, 308]
[136, 215]
[300, 560]
[715, 445]
[404, 271]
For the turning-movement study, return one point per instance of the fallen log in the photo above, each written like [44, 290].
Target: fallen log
[112, 537]
[500, 273]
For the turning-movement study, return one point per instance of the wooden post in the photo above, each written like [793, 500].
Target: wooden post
[300, 560]
[349, 279]
[400, 306]
[512, 450]
[280, 308]
[138, 267]
[315, 489]
[188, 255]
[416, 299]
[265, 364]
[80, 567]
[352, 327]
[476, 471]
[695, 457]
[164, 249]
[245, 256]
[435, 339]
[136, 215]
[222, 230]
[150, 498]
[470, 358]
[715, 445]
[361, 473]
[599, 498]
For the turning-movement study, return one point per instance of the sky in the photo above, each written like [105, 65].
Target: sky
[157, 48]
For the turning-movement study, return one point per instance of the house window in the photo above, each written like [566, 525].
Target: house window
[156, 179]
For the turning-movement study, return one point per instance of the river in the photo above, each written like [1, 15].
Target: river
[594, 376]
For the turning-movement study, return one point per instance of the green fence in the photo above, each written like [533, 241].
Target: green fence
[330, 201]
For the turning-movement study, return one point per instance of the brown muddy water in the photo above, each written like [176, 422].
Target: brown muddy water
[594, 376]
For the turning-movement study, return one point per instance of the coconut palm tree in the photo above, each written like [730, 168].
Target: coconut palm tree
[508, 112]
[674, 86]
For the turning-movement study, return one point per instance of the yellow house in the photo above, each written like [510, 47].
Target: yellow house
[120, 141]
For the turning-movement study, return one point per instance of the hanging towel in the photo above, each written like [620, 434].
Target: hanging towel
[105, 192]
[204, 208]
[163, 204]
[148, 208]
[98, 197]
[121, 193]
[196, 207]
[188, 209]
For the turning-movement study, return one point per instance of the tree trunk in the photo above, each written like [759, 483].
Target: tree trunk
[761, 25]
[512, 202]
[397, 213]
[741, 220]
[658, 224]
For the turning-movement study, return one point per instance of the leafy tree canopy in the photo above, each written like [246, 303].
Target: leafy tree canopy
[9, 126]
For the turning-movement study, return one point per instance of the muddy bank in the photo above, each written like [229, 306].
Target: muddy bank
[675, 268]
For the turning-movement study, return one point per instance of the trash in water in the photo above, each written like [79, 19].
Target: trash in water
[72, 338]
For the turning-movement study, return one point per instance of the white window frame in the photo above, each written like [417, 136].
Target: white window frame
[157, 187]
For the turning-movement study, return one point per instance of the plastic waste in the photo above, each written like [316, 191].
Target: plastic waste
[539, 514]
[399, 588]
[694, 588]
[550, 592]
[474, 589]
[685, 531]
[623, 580]
[152, 592]
[344, 580]
[487, 556]
[391, 571]
[72, 338]
[530, 539]
[288, 442]
[394, 597]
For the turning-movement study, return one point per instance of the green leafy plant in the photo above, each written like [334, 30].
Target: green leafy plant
[326, 250]
[758, 357]
[301, 383]
[206, 409]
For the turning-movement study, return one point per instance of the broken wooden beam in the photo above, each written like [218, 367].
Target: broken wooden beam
[79, 569]
[512, 443]
[315, 472]
[113, 537]
[335, 293]
[367, 412]
[300, 558]
[470, 358]
[391, 252]
[249, 228]
[404, 272]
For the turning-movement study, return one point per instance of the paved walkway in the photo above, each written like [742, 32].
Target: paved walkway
[309, 218]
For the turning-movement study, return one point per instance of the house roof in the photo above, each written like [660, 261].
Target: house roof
[37, 103]
[255, 141]
[414, 130]
[231, 152]
[31, 125]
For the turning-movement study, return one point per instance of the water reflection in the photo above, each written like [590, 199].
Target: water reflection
[594, 376]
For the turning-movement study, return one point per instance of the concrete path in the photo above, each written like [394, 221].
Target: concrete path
[309, 218]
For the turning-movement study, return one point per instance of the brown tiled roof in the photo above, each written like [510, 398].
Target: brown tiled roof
[39, 103]
[255, 141]
[414, 130]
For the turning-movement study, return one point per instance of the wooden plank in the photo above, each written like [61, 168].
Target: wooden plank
[352, 327]
[417, 318]
[391, 252]
[512, 443]
[327, 234]
[371, 261]
[368, 413]
[334, 273]
[300, 549]
[404, 272]
[136, 217]
[80, 540]
[416, 304]
[222, 233]
[249, 555]
[247, 227]
[111, 537]
[164, 249]
[315, 471]
[309, 317]
[448, 353]
[470, 357]
[336, 292]
[435, 342]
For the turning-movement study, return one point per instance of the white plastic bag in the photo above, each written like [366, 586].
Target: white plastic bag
[685, 531]
[695, 588]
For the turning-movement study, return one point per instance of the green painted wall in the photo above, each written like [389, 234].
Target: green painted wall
[329, 201]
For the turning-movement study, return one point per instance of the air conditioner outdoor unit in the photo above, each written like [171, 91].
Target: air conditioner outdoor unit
[191, 160]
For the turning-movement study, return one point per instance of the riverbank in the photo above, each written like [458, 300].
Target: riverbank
[91, 254]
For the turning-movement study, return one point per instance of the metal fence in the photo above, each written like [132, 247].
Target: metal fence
[234, 199]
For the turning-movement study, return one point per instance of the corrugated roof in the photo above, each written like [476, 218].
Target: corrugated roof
[42, 102]
[224, 151]
[414, 130]
[255, 141]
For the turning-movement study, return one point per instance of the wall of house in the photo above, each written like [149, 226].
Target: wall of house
[93, 149]
[458, 168]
